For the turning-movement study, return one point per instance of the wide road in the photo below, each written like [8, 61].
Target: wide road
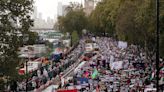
[74, 55]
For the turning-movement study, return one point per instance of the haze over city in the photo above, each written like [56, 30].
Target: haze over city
[48, 8]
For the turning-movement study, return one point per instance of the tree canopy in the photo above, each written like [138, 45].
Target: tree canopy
[102, 19]
[133, 21]
[15, 22]
[74, 20]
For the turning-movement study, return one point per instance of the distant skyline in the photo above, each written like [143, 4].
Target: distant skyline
[48, 8]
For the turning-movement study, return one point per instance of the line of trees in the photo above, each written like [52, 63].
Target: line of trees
[73, 22]
[133, 21]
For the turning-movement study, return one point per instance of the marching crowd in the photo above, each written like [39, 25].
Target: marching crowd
[48, 73]
[136, 78]
[110, 69]
[115, 69]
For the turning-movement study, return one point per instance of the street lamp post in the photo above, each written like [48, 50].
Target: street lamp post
[157, 44]
[27, 70]
[26, 75]
[71, 39]
[25, 40]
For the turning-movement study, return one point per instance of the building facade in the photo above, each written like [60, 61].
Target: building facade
[88, 6]
[59, 9]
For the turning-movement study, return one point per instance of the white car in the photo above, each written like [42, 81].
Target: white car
[31, 66]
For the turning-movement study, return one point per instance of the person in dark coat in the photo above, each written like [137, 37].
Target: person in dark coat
[14, 86]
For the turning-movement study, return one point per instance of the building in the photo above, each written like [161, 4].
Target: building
[96, 2]
[39, 22]
[59, 8]
[88, 6]
[35, 12]
[50, 22]
[64, 10]
[50, 35]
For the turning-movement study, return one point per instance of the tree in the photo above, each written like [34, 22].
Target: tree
[135, 24]
[125, 24]
[102, 19]
[32, 38]
[161, 29]
[75, 37]
[161, 45]
[60, 23]
[15, 22]
[129, 20]
[75, 19]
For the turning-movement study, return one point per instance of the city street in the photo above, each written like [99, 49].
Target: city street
[112, 69]
[81, 45]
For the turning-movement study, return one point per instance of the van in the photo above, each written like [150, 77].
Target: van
[31, 66]
[89, 47]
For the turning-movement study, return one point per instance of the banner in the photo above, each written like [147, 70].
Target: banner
[116, 65]
[139, 65]
[73, 90]
[122, 44]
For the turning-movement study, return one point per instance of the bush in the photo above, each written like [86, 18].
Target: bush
[75, 37]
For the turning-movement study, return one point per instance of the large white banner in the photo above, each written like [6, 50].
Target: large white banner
[122, 44]
[116, 65]
[51, 88]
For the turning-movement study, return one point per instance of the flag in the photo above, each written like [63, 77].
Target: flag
[72, 90]
[95, 73]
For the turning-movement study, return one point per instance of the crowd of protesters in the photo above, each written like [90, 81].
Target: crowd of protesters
[110, 69]
[98, 74]
[47, 74]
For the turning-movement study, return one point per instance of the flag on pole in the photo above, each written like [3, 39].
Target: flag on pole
[95, 73]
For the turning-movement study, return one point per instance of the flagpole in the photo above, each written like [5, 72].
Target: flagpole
[157, 44]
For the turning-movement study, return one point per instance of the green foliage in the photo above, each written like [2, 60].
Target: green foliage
[162, 34]
[15, 22]
[32, 38]
[162, 45]
[133, 21]
[102, 19]
[1, 84]
[75, 19]
[75, 37]
[139, 26]
[125, 21]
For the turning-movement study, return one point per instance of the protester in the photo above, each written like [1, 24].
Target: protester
[116, 69]
[110, 69]
[46, 73]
